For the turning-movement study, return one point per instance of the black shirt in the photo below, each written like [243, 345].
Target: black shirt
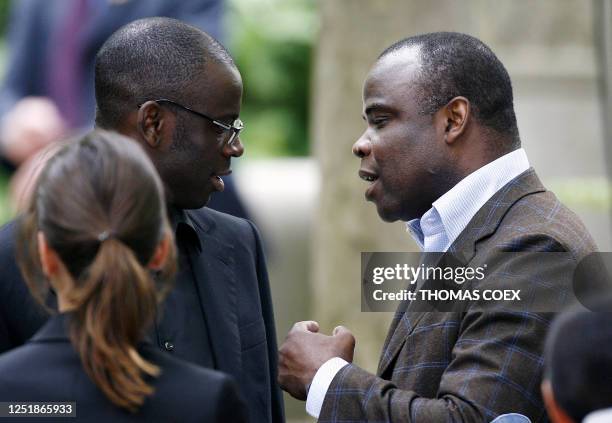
[182, 307]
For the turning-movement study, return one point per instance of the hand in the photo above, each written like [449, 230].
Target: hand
[23, 182]
[305, 350]
[29, 126]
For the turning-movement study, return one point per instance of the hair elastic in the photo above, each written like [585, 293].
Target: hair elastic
[103, 236]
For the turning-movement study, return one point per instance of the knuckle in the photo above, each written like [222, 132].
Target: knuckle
[349, 338]
[286, 353]
[282, 354]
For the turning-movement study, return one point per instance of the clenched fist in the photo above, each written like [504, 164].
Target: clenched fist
[305, 350]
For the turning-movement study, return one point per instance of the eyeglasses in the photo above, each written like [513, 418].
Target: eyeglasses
[233, 129]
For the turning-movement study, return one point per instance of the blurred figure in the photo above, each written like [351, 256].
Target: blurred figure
[28, 127]
[577, 384]
[52, 51]
[48, 91]
[23, 183]
[94, 233]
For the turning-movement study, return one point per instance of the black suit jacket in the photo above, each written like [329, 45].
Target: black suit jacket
[232, 283]
[47, 368]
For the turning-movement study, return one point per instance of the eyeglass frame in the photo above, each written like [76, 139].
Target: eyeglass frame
[236, 126]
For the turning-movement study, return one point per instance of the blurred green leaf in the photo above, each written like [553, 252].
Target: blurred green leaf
[6, 212]
[585, 193]
[272, 42]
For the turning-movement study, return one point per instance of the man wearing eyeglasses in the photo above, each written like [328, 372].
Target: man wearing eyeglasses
[224, 130]
[177, 92]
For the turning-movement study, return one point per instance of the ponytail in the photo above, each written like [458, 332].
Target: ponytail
[102, 181]
[113, 302]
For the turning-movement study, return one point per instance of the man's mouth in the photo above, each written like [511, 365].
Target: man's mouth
[371, 177]
[216, 180]
[368, 175]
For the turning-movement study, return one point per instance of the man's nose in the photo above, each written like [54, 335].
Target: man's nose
[362, 147]
[236, 148]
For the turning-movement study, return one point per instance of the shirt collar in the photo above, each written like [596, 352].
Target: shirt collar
[414, 228]
[428, 227]
[183, 228]
[457, 207]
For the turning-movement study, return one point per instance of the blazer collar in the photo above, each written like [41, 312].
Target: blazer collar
[486, 221]
[215, 272]
[184, 227]
[54, 330]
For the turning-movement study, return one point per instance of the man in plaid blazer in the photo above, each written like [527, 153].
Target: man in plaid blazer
[442, 152]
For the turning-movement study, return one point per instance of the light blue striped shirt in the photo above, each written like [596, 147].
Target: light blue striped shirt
[440, 226]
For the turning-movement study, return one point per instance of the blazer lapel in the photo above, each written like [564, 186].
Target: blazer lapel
[484, 223]
[489, 217]
[216, 284]
[404, 322]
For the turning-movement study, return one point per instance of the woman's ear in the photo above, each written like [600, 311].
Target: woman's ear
[161, 253]
[50, 261]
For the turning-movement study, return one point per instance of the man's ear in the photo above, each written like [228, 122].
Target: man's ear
[49, 259]
[556, 413]
[150, 123]
[161, 253]
[454, 117]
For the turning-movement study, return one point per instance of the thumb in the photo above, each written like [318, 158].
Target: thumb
[341, 330]
[345, 341]
[312, 326]
[307, 326]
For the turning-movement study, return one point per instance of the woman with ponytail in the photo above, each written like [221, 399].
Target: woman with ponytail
[96, 234]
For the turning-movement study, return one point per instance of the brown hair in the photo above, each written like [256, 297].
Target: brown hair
[99, 203]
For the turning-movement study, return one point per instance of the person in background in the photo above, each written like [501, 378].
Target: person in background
[95, 231]
[48, 89]
[577, 384]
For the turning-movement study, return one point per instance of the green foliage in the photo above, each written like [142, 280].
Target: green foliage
[594, 194]
[272, 41]
[5, 6]
[6, 212]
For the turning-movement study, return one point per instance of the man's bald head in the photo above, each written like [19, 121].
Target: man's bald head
[453, 64]
[148, 59]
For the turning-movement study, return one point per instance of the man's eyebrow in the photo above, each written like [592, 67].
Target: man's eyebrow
[375, 107]
[231, 117]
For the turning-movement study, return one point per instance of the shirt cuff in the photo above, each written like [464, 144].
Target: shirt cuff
[320, 383]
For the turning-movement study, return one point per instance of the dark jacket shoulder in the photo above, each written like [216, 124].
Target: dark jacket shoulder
[20, 314]
[47, 368]
[541, 219]
[213, 221]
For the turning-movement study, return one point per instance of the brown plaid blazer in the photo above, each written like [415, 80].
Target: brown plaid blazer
[468, 366]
